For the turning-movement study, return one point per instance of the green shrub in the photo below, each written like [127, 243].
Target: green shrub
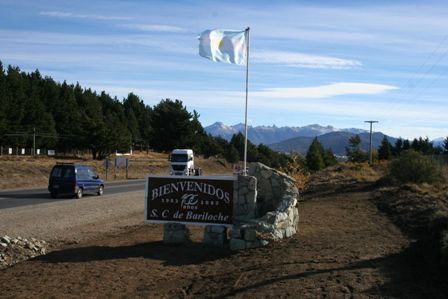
[413, 167]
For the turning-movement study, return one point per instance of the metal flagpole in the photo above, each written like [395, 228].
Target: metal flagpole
[247, 91]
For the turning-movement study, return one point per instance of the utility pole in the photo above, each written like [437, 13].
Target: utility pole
[370, 144]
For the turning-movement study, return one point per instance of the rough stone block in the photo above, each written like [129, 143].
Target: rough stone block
[283, 224]
[266, 173]
[278, 191]
[253, 168]
[280, 217]
[237, 244]
[253, 244]
[252, 184]
[291, 215]
[251, 196]
[263, 184]
[236, 233]
[264, 242]
[275, 181]
[289, 231]
[214, 238]
[284, 205]
[217, 229]
[243, 191]
[175, 233]
[250, 234]
[278, 233]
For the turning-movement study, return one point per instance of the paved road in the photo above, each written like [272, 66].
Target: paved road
[24, 197]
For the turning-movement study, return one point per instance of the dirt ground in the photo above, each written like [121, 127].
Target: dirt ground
[346, 248]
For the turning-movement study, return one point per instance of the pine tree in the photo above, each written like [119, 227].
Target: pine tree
[354, 152]
[329, 158]
[172, 126]
[140, 126]
[314, 156]
[231, 154]
[198, 134]
[398, 148]
[385, 150]
[406, 145]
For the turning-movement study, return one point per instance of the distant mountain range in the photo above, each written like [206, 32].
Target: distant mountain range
[273, 134]
[298, 139]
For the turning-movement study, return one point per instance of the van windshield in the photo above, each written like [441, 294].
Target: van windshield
[179, 158]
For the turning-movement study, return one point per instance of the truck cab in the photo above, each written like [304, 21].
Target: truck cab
[182, 162]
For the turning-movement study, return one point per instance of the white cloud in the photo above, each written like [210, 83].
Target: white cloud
[155, 28]
[325, 91]
[61, 14]
[296, 59]
[408, 121]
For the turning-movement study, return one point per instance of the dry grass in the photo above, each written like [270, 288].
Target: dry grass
[28, 172]
[301, 180]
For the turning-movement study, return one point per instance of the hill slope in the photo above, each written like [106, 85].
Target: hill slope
[337, 141]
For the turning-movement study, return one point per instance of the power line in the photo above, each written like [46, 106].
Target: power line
[422, 66]
[410, 93]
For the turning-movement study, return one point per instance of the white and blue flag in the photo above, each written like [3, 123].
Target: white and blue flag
[228, 46]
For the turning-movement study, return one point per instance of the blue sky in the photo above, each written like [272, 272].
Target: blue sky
[328, 62]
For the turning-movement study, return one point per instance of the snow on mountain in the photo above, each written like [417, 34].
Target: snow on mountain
[438, 142]
[222, 130]
[274, 134]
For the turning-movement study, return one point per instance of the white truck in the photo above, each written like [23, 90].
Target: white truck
[182, 163]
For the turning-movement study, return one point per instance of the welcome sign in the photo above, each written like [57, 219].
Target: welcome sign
[204, 200]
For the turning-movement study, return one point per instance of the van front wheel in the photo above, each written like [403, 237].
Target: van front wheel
[79, 193]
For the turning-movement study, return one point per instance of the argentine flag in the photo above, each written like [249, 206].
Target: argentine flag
[220, 45]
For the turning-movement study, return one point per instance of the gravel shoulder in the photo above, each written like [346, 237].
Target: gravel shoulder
[73, 220]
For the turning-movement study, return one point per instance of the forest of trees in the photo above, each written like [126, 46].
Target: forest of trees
[388, 151]
[71, 118]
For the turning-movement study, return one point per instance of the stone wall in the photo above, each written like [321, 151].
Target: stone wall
[265, 209]
[245, 201]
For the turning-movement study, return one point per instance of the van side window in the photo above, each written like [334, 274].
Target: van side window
[92, 173]
[83, 174]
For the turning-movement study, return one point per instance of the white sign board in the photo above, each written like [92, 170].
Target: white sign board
[23, 151]
[10, 151]
[51, 152]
